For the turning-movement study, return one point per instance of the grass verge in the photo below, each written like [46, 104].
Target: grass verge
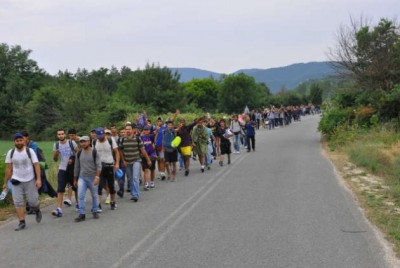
[369, 162]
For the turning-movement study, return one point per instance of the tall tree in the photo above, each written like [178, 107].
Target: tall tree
[19, 77]
[236, 92]
[369, 55]
[203, 92]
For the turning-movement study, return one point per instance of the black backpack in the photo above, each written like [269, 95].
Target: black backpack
[71, 145]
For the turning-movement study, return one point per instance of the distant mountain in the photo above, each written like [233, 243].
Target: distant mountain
[275, 78]
[188, 74]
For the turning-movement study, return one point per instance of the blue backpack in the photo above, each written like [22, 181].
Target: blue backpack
[168, 138]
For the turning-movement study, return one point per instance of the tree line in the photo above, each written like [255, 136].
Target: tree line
[33, 100]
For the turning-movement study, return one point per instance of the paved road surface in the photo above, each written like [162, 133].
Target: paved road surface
[280, 206]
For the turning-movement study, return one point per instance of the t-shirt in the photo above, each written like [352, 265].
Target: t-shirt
[131, 149]
[250, 128]
[160, 136]
[148, 145]
[65, 153]
[85, 166]
[22, 165]
[104, 151]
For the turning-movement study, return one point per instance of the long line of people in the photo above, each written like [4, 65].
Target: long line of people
[127, 158]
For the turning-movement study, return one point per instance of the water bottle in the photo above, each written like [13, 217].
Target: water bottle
[3, 194]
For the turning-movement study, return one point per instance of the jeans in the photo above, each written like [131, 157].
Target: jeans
[83, 184]
[209, 156]
[180, 159]
[133, 174]
[236, 144]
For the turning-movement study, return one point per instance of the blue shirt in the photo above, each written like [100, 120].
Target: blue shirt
[250, 128]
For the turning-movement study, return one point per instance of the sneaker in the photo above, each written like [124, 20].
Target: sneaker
[67, 202]
[208, 167]
[186, 172]
[162, 174]
[76, 207]
[202, 169]
[128, 190]
[229, 161]
[108, 200]
[120, 193]
[99, 210]
[95, 215]
[20, 226]
[57, 213]
[152, 185]
[80, 218]
[30, 211]
[146, 187]
[38, 216]
[134, 198]
[113, 206]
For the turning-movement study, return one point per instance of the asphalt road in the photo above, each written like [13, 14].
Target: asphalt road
[280, 206]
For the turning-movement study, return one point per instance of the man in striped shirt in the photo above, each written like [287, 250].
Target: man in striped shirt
[132, 150]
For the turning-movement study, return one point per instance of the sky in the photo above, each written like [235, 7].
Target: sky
[216, 35]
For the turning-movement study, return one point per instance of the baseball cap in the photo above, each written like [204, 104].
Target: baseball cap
[18, 135]
[84, 138]
[146, 128]
[100, 132]
[107, 131]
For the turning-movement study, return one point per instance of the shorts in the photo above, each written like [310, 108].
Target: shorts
[27, 189]
[146, 166]
[171, 157]
[107, 178]
[186, 150]
[160, 152]
[225, 146]
[64, 178]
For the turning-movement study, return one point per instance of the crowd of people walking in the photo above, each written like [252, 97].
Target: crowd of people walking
[129, 158]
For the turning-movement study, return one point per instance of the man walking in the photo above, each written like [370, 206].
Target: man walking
[22, 168]
[87, 168]
[131, 147]
[200, 138]
[65, 151]
[107, 151]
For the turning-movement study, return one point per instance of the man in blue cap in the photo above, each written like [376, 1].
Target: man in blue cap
[107, 150]
[22, 168]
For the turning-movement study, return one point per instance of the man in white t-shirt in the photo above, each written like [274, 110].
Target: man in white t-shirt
[22, 166]
[63, 150]
[107, 150]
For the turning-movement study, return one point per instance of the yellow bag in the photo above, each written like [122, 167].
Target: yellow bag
[176, 142]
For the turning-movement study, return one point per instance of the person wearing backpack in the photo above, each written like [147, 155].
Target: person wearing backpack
[132, 150]
[63, 150]
[107, 151]
[170, 153]
[23, 170]
[87, 176]
[46, 186]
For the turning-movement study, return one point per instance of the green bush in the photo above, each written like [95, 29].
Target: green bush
[332, 118]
